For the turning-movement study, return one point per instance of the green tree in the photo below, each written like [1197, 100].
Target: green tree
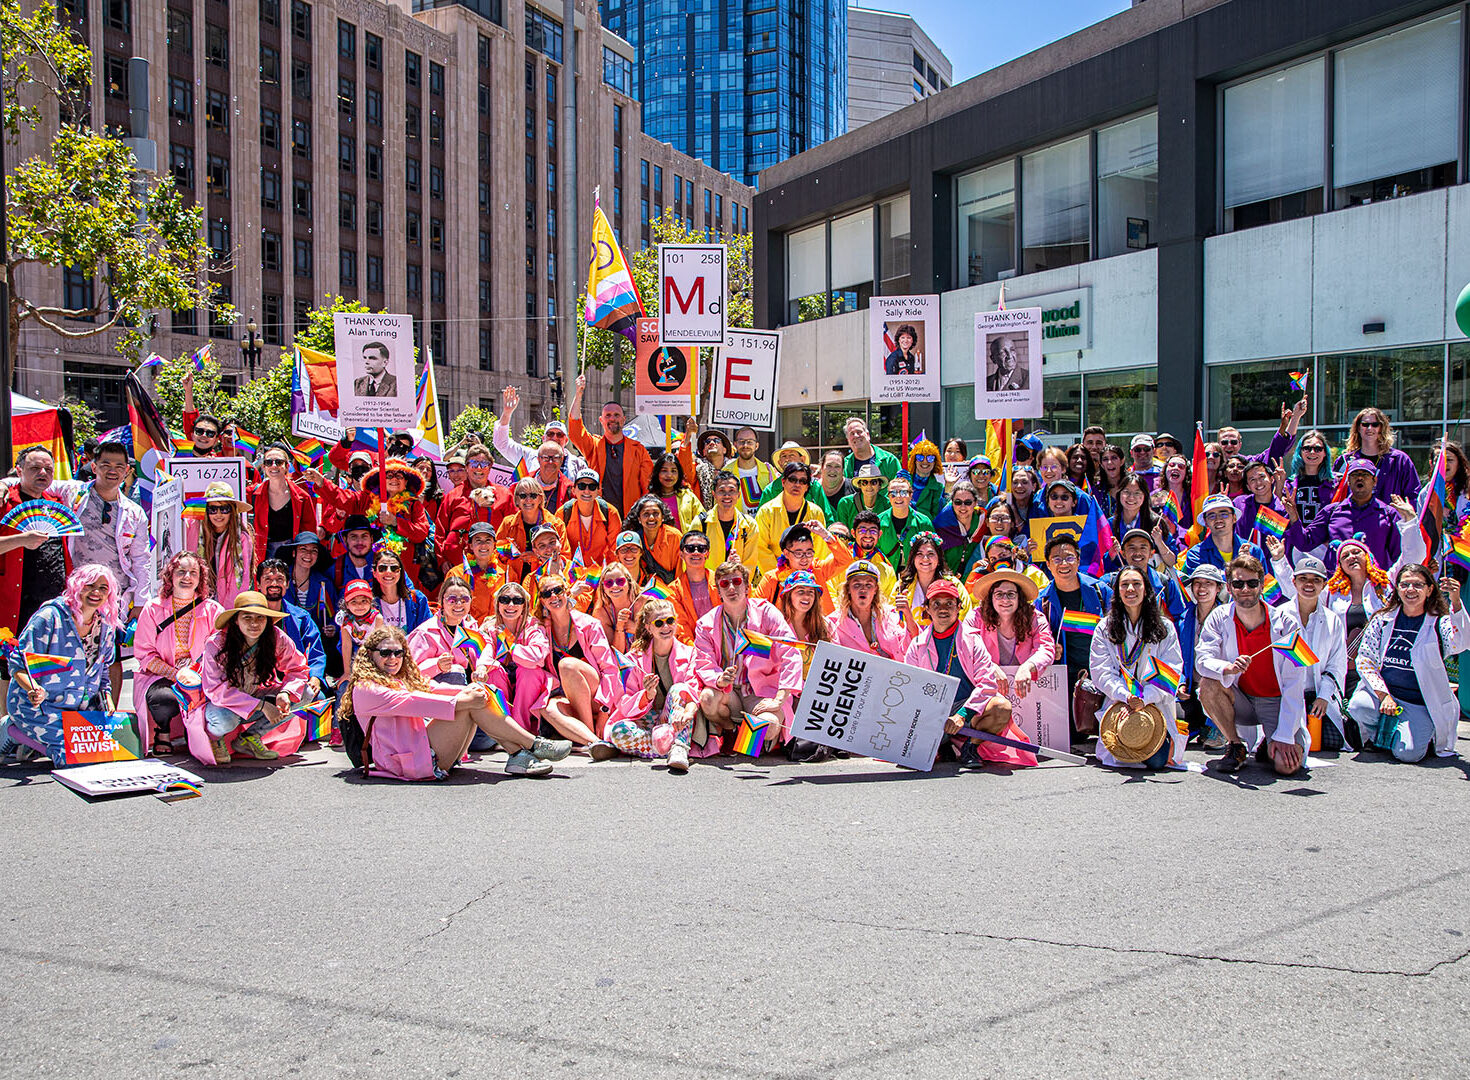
[473, 418]
[263, 406]
[209, 395]
[81, 204]
[603, 345]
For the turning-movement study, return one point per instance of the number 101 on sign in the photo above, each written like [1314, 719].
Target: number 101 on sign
[692, 294]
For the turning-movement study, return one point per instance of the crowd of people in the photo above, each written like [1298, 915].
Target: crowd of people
[606, 601]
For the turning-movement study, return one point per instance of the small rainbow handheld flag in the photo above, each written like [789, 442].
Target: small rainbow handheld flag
[154, 360]
[184, 446]
[318, 717]
[750, 739]
[177, 791]
[1296, 650]
[592, 575]
[470, 640]
[312, 448]
[625, 662]
[1271, 591]
[1171, 507]
[1083, 622]
[246, 442]
[497, 702]
[1163, 676]
[39, 665]
[201, 356]
[1130, 683]
[756, 644]
[196, 506]
[1269, 521]
[503, 644]
[657, 590]
[1459, 549]
[506, 550]
[1299, 380]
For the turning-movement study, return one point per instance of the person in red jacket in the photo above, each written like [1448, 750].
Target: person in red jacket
[33, 567]
[206, 431]
[476, 499]
[623, 464]
[282, 508]
[400, 512]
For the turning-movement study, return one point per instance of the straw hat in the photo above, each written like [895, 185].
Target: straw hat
[248, 602]
[1132, 736]
[981, 589]
[220, 492]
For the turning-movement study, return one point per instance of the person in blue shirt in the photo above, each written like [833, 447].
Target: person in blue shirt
[271, 578]
[1220, 544]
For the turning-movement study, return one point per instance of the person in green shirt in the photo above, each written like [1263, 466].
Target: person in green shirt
[863, 452]
[870, 484]
[901, 522]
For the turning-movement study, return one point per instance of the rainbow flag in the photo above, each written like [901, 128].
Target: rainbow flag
[754, 643]
[201, 356]
[506, 550]
[39, 665]
[657, 590]
[497, 702]
[1271, 590]
[1269, 521]
[1296, 650]
[184, 446]
[196, 506]
[1163, 676]
[1130, 683]
[625, 662]
[613, 302]
[154, 360]
[470, 640]
[1172, 508]
[1000, 448]
[1083, 622]
[1299, 380]
[246, 442]
[503, 644]
[592, 576]
[1459, 549]
[1199, 485]
[1431, 513]
[750, 739]
[318, 717]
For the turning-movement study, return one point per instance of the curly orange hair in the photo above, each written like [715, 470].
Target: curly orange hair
[1339, 582]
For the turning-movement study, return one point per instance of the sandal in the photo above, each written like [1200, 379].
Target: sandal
[162, 744]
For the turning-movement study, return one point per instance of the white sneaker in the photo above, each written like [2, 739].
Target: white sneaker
[679, 760]
[602, 751]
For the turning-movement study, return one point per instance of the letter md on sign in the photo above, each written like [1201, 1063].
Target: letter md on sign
[692, 300]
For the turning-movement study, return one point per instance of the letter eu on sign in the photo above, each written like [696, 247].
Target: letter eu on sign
[747, 366]
[692, 294]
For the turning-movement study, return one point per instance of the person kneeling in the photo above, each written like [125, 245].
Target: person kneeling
[416, 730]
[1135, 652]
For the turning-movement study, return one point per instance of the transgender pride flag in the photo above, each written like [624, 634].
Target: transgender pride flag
[612, 297]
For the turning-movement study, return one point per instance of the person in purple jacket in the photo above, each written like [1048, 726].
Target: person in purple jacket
[1263, 483]
[1384, 528]
[1371, 438]
[1313, 481]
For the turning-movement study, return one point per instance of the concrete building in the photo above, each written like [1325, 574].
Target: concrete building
[891, 63]
[1216, 192]
[408, 159]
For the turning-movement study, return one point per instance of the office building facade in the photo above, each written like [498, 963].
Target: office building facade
[739, 86]
[1204, 196]
[891, 63]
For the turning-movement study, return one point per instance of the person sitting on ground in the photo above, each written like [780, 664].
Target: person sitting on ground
[270, 581]
[657, 706]
[613, 605]
[1244, 682]
[225, 541]
[586, 680]
[735, 680]
[800, 604]
[1013, 633]
[81, 625]
[1135, 638]
[172, 630]
[1404, 703]
[357, 615]
[416, 730]
[433, 645]
[251, 676]
[864, 620]
[1071, 590]
[517, 656]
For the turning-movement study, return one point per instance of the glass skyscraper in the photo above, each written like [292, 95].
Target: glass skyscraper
[740, 84]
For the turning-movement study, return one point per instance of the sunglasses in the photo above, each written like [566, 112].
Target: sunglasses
[512, 601]
[1314, 449]
[730, 582]
[584, 486]
[527, 497]
[1370, 423]
[457, 598]
[1245, 583]
[659, 624]
[616, 583]
[869, 483]
[205, 433]
[275, 463]
[927, 459]
[389, 653]
[964, 503]
[553, 592]
[479, 463]
[385, 566]
[218, 510]
[800, 481]
[697, 549]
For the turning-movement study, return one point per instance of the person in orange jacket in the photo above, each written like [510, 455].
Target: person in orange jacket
[516, 529]
[480, 569]
[622, 463]
[591, 524]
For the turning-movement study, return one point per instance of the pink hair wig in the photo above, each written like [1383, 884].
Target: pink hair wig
[83, 578]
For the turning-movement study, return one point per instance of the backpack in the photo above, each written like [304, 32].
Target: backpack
[355, 740]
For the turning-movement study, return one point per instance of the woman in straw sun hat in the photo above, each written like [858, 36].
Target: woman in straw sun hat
[1132, 644]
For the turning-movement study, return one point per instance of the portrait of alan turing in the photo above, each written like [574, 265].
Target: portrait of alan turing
[377, 380]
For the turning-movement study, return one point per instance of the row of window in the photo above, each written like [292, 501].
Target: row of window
[837, 265]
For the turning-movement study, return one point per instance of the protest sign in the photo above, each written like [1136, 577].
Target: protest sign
[747, 366]
[197, 473]
[955, 471]
[376, 385]
[124, 777]
[502, 475]
[873, 706]
[665, 374]
[1042, 713]
[165, 527]
[1043, 529]
[692, 288]
[88, 737]
[1008, 363]
[904, 348]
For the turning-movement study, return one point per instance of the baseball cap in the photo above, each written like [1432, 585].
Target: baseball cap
[795, 533]
[589, 474]
[1207, 572]
[359, 455]
[482, 528]
[541, 529]
[556, 425]
[1310, 564]
[1141, 440]
[942, 587]
[1140, 533]
[626, 538]
[1362, 465]
[357, 587]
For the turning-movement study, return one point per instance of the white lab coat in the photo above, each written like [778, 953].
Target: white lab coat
[1326, 634]
[1434, 681]
[1105, 665]
[1217, 650]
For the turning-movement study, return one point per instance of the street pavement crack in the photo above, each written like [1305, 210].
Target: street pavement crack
[1169, 953]
[448, 920]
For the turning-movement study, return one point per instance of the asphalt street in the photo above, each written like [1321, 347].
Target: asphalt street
[846, 919]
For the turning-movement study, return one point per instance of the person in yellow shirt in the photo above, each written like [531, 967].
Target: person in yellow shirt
[753, 473]
[778, 515]
[731, 531]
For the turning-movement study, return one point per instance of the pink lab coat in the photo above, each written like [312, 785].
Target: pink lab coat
[892, 635]
[400, 741]
[229, 580]
[433, 640]
[291, 676]
[150, 645]
[632, 702]
[531, 654]
[982, 671]
[1039, 650]
[766, 675]
[599, 654]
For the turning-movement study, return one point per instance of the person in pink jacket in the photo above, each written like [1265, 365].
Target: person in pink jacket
[1005, 616]
[251, 676]
[172, 630]
[417, 730]
[654, 714]
[863, 620]
[586, 681]
[517, 655]
[733, 680]
[951, 647]
[225, 540]
[432, 643]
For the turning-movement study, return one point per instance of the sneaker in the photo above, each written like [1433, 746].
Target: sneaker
[1214, 739]
[602, 751]
[522, 763]
[679, 759]
[1235, 758]
[550, 749]
[250, 746]
[221, 751]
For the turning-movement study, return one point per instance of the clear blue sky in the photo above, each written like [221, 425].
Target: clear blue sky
[978, 35]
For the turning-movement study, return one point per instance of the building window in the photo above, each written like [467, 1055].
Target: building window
[486, 364]
[77, 290]
[270, 128]
[1056, 187]
[301, 198]
[412, 174]
[707, 202]
[347, 210]
[415, 281]
[270, 324]
[411, 64]
[617, 119]
[301, 264]
[218, 326]
[485, 247]
[374, 218]
[115, 69]
[346, 153]
[301, 79]
[617, 71]
[551, 176]
[531, 357]
[270, 250]
[438, 345]
[374, 106]
[484, 100]
[346, 40]
[484, 197]
[484, 297]
[347, 267]
[270, 12]
[484, 51]
[181, 31]
[217, 175]
[118, 14]
[375, 273]
[986, 203]
[658, 182]
[436, 234]
[270, 66]
[270, 189]
[219, 237]
[186, 321]
[894, 243]
[543, 34]
[346, 97]
[411, 227]
[301, 19]
[301, 138]
[372, 155]
[436, 128]
[436, 79]
[217, 45]
[217, 110]
[300, 316]
[181, 165]
[436, 182]
[411, 116]
[180, 99]
[436, 286]
[1127, 185]
[372, 52]
[1274, 146]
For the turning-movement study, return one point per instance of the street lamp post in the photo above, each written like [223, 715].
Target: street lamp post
[251, 346]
